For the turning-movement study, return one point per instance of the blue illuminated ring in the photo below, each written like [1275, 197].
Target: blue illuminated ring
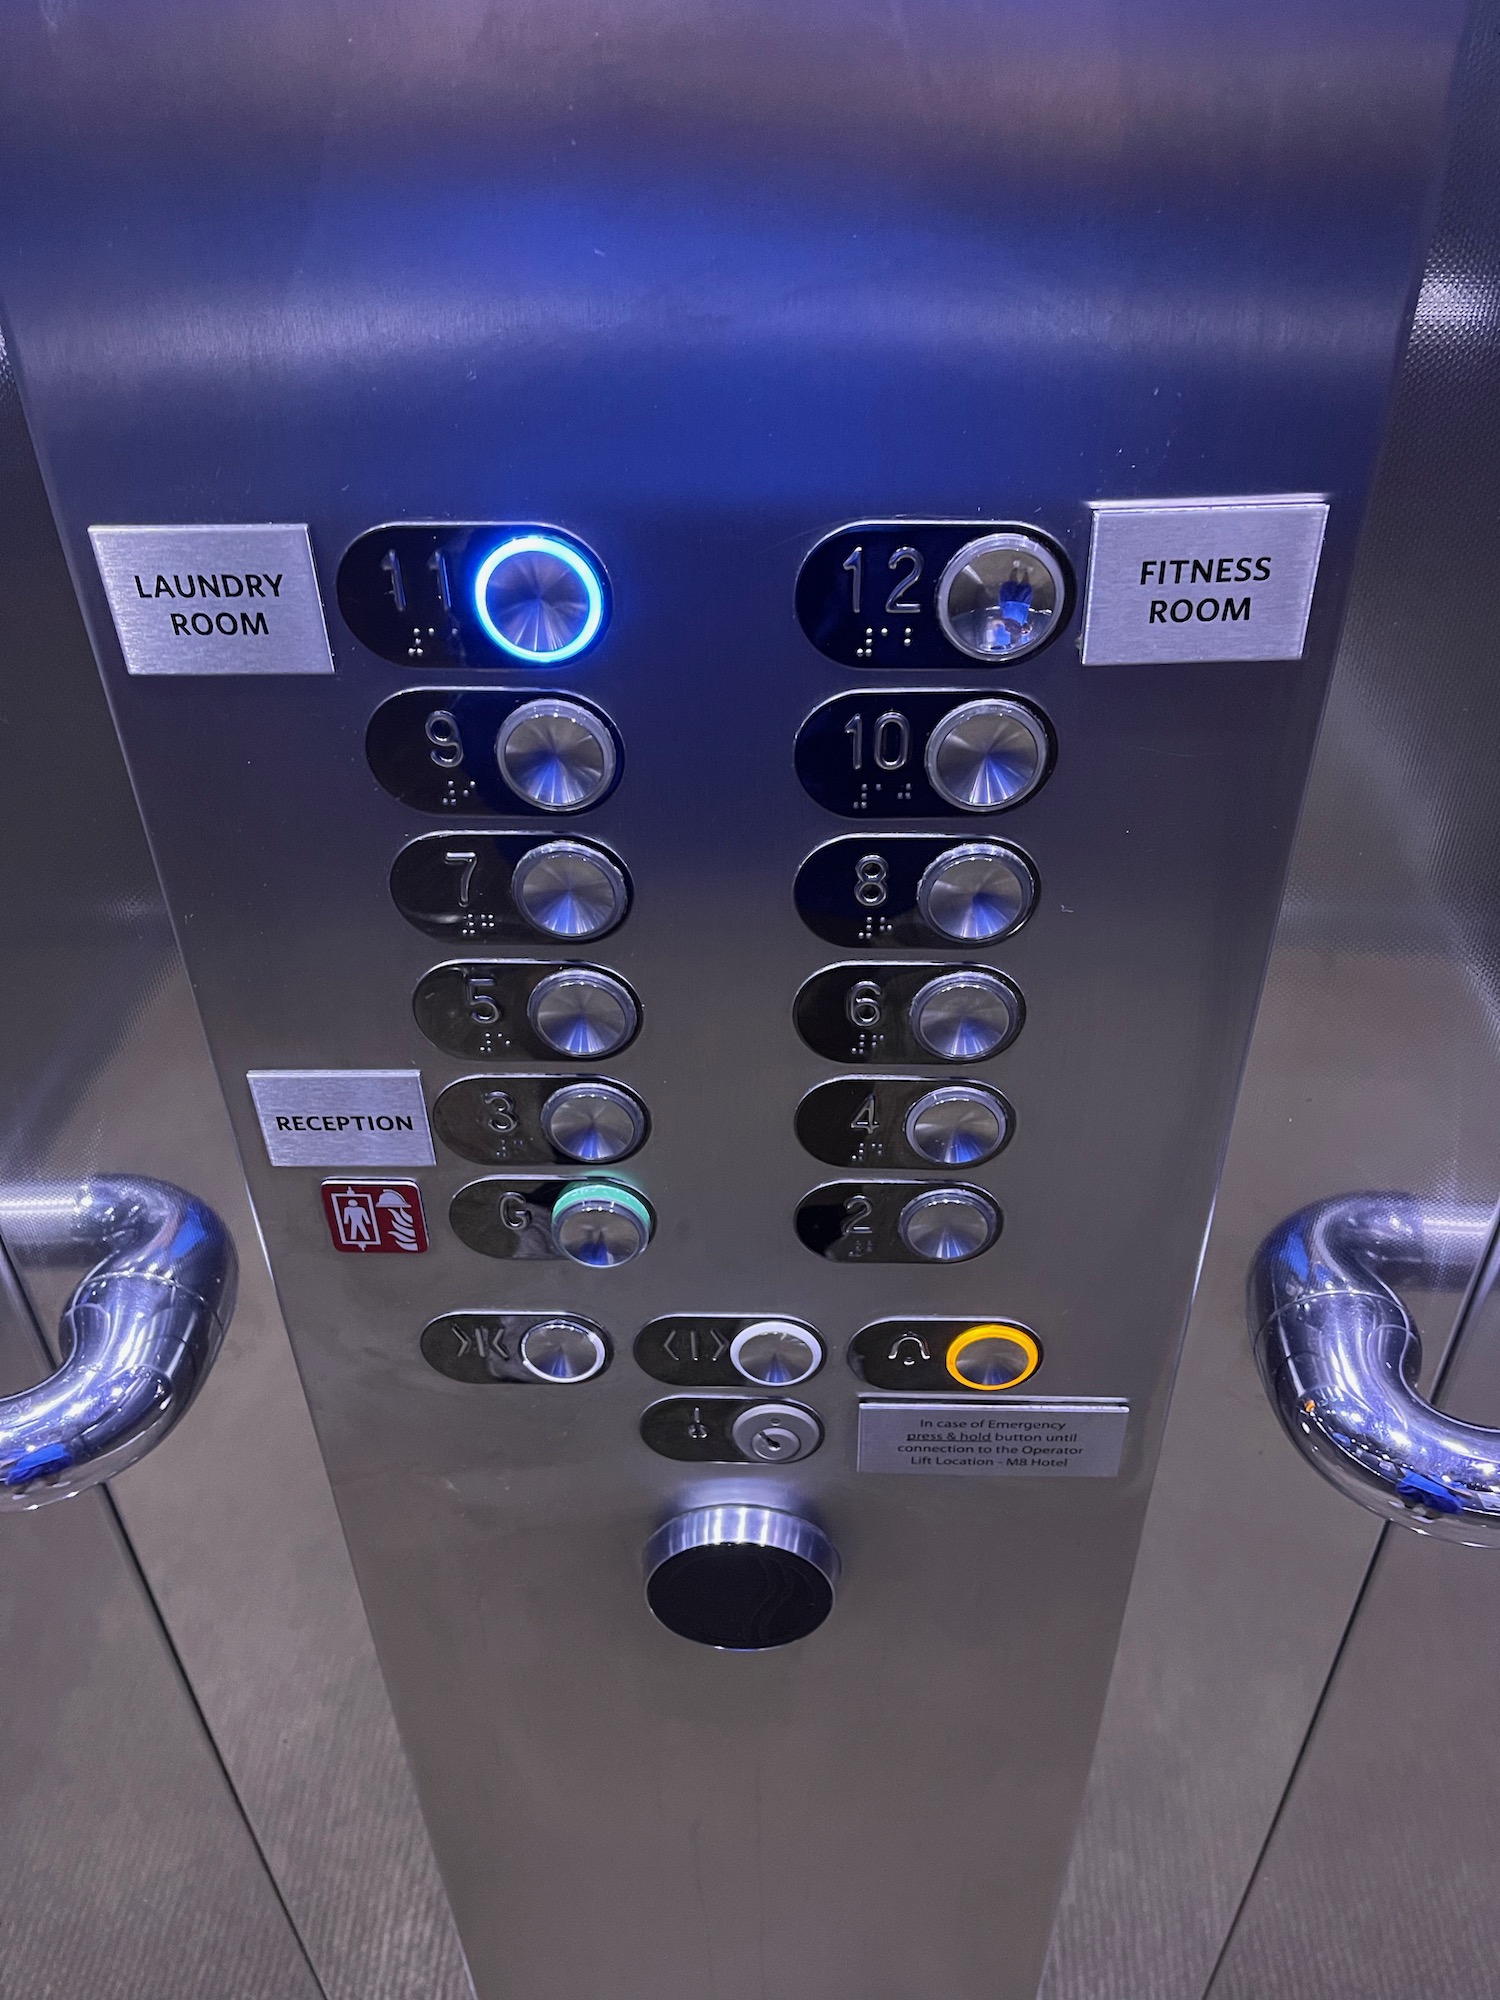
[542, 545]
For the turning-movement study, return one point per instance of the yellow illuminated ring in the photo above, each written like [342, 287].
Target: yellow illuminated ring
[994, 1330]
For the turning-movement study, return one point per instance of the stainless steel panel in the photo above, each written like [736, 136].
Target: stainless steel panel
[1380, 1863]
[696, 286]
[1374, 1064]
[128, 1864]
[1380, 1877]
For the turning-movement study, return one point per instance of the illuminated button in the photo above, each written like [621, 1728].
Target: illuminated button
[986, 755]
[992, 1356]
[776, 1353]
[958, 1125]
[583, 1013]
[947, 1225]
[562, 1350]
[539, 599]
[964, 1016]
[776, 1433]
[1000, 597]
[593, 1122]
[556, 754]
[569, 891]
[599, 1224]
[976, 893]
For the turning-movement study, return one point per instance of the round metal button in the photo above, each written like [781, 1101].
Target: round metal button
[986, 755]
[593, 1122]
[563, 1350]
[776, 1353]
[946, 1225]
[1000, 597]
[567, 890]
[964, 1016]
[556, 754]
[601, 1225]
[539, 599]
[776, 1433]
[976, 893]
[583, 1013]
[959, 1125]
[739, 1577]
[992, 1356]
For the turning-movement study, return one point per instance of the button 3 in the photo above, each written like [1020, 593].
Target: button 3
[593, 1123]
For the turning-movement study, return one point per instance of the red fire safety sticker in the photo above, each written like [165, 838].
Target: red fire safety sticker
[384, 1216]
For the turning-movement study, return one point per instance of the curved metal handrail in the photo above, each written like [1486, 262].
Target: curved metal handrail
[139, 1334]
[1340, 1358]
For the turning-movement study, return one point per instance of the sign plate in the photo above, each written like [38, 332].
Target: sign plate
[214, 600]
[342, 1117]
[1028, 1438]
[1201, 580]
[380, 1216]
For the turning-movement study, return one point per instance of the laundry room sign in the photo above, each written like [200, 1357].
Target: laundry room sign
[214, 600]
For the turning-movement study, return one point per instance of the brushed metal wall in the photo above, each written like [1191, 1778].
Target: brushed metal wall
[205, 1793]
[1373, 1065]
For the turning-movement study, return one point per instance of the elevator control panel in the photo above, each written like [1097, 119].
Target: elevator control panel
[851, 1121]
[719, 650]
[912, 597]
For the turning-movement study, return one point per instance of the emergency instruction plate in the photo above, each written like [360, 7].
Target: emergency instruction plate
[1032, 1437]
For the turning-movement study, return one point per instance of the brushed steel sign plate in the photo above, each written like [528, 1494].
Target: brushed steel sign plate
[1201, 580]
[1037, 1437]
[214, 600]
[342, 1117]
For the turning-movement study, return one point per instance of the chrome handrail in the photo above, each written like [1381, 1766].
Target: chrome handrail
[1340, 1358]
[139, 1334]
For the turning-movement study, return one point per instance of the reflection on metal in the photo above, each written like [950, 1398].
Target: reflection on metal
[1340, 1358]
[140, 1332]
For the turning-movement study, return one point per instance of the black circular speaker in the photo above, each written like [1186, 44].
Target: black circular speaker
[743, 1579]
